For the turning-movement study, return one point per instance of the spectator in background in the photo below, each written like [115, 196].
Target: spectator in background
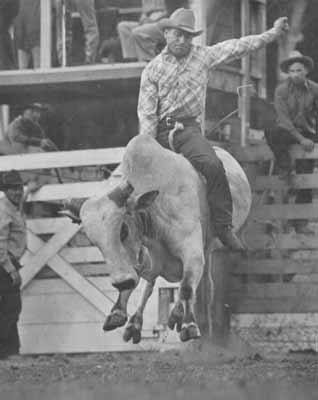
[296, 105]
[12, 247]
[87, 11]
[140, 40]
[27, 34]
[8, 11]
[25, 134]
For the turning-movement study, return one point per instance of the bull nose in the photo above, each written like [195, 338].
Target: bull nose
[125, 285]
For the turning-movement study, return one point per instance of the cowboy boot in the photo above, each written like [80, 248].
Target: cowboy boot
[229, 239]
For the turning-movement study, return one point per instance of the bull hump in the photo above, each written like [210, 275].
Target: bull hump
[147, 165]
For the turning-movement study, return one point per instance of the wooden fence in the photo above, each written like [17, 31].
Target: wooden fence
[273, 293]
[66, 289]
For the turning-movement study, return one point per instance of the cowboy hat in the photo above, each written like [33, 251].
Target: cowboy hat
[34, 106]
[10, 179]
[182, 19]
[296, 57]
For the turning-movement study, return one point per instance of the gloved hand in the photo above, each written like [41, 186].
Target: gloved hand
[281, 25]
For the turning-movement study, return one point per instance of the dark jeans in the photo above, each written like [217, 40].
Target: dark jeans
[10, 308]
[279, 140]
[8, 10]
[198, 150]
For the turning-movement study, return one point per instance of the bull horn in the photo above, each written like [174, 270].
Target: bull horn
[72, 209]
[121, 193]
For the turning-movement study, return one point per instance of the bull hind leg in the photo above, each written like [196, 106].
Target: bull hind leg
[182, 315]
[118, 316]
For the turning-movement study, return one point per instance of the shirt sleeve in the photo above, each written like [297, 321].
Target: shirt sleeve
[148, 104]
[5, 261]
[20, 132]
[229, 50]
[282, 111]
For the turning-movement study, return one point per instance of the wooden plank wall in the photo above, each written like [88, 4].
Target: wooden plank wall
[276, 286]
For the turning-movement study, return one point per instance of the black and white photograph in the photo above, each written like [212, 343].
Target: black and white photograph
[159, 199]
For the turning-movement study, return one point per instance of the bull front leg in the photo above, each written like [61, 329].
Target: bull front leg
[134, 326]
[118, 316]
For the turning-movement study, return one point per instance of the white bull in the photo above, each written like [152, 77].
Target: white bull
[156, 223]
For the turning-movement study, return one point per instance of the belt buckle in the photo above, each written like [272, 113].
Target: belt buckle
[170, 122]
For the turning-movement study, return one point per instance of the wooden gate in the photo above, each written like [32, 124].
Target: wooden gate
[66, 289]
[273, 294]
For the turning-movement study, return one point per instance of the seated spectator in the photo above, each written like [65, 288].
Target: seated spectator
[27, 34]
[143, 40]
[140, 39]
[25, 134]
[8, 11]
[86, 9]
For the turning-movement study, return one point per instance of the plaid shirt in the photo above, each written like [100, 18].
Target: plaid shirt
[297, 106]
[172, 87]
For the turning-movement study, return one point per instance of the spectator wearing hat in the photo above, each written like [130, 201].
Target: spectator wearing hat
[24, 133]
[172, 90]
[296, 105]
[8, 11]
[12, 247]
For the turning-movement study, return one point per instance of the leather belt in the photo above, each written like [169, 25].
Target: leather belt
[169, 122]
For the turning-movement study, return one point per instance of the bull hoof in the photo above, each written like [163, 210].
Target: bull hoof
[189, 332]
[176, 317]
[116, 319]
[131, 332]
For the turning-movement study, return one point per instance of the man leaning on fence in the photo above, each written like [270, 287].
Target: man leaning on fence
[296, 105]
[12, 247]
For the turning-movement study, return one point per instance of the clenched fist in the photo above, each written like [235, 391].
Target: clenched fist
[281, 25]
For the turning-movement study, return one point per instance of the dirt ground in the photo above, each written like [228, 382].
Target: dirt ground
[198, 372]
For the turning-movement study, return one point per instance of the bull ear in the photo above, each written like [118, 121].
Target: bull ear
[145, 200]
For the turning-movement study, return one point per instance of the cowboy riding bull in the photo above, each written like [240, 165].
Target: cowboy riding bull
[161, 219]
[155, 222]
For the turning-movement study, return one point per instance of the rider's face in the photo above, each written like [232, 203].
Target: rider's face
[178, 42]
[297, 72]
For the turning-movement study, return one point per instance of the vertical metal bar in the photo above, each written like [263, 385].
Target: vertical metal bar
[199, 8]
[263, 26]
[246, 70]
[46, 34]
[4, 119]
[63, 22]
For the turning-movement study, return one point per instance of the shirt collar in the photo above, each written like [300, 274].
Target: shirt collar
[291, 85]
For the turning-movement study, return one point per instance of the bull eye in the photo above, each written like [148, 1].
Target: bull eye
[124, 232]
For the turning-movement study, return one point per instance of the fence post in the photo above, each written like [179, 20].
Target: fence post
[212, 305]
[220, 310]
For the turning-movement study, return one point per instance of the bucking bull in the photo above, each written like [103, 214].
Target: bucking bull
[155, 222]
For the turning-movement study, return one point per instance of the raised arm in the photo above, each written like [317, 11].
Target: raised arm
[148, 104]
[229, 50]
